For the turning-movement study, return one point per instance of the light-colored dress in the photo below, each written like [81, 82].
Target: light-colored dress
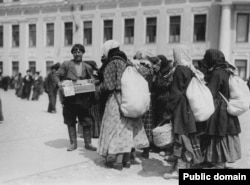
[118, 134]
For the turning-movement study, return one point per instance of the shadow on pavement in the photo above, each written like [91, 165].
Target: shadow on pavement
[153, 167]
[58, 143]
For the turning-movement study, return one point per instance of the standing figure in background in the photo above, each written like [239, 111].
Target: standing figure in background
[38, 82]
[6, 82]
[27, 84]
[19, 84]
[50, 87]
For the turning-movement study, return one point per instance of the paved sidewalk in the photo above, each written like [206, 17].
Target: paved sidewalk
[33, 151]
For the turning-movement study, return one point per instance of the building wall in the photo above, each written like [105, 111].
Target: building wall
[58, 12]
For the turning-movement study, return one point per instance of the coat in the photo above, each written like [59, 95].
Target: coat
[221, 123]
[178, 105]
[67, 71]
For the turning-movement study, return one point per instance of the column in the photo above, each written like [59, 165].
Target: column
[225, 31]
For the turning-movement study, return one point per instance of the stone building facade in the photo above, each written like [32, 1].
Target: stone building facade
[37, 33]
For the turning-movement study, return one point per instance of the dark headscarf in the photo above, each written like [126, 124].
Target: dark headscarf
[165, 64]
[215, 59]
[105, 61]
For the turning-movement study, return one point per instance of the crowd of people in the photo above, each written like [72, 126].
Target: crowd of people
[209, 144]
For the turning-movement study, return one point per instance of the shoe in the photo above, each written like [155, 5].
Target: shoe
[170, 158]
[117, 166]
[173, 175]
[72, 147]
[126, 164]
[145, 153]
[90, 147]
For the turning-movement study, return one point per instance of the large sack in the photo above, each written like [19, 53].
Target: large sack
[135, 93]
[200, 99]
[239, 99]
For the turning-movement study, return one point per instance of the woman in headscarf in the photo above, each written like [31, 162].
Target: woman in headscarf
[118, 134]
[161, 89]
[145, 68]
[222, 132]
[186, 143]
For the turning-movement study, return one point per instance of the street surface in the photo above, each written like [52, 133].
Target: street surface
[33, 151]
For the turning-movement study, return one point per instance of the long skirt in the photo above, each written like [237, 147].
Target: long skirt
[147, 120]
[187, 147]
[119, 134]
[95, 112]
[223, 149]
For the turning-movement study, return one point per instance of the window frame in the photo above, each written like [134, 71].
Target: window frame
[236, 28]
[68, 31]
[15, 43]
[88, 29]
[131, 37]
[147, 27]
[48, 30]
[194, 26]
[172, 16]
[108, 27]
[1, 36]
[31, 36]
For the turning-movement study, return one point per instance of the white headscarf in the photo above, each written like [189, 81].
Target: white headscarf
[108, 45]
[182, 56]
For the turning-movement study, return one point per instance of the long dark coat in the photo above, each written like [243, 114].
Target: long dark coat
[183, 118]
[221, 123]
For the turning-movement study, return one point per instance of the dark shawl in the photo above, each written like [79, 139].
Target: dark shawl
[220, 123]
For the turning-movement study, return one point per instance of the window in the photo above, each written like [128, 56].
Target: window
[1, 36]
[48, 65]
[242, 68]
[32, 67]
[32, 35]
[1, 67]
[242, 28]
[15, 0]
[108, 30]
[15, 35]
[50, 34]
[174, 29]
[129, 31]
[151, 30]
[87, 32]
[15, 68]
[200, 27]
[68, 33]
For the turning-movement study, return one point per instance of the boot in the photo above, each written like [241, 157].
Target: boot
[80, 130]
[72, 138]
[180, 164]
[118, 162]
[145, 153]
[126, 160]
[87, 139]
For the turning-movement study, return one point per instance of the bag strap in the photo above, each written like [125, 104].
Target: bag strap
[119, 104]
[224, 97]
